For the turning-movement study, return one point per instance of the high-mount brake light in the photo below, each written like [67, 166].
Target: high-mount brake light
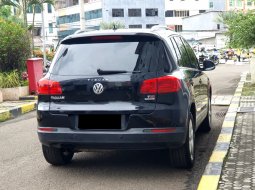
[49, 87]
[161, 85]
[99, 38]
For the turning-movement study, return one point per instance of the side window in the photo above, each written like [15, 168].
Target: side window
[184, 57]
[193, 58]
[163, 60]
[176, 49]
[172, 49]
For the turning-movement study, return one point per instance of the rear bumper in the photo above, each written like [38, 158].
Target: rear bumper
[129, 139]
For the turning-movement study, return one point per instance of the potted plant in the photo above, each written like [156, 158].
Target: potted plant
[12, 86]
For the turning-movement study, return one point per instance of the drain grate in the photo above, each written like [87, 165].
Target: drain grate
[220, 114]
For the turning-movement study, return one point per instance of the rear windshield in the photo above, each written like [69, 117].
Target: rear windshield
[126, 53]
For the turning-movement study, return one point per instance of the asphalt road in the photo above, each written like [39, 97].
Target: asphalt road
[22, 165]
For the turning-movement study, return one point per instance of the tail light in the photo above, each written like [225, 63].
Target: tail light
[49, 87]
[161, 85]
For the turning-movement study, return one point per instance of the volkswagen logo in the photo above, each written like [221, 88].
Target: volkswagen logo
[98, 88]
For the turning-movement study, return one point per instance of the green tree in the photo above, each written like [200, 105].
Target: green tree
[241, 28]
[34, 4]
[111, 25]
[14, 46]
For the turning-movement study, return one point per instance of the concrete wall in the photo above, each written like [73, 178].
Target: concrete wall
[204, 21]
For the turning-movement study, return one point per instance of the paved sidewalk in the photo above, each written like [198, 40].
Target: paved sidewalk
[238, 171]
[13, 109]
[217, 174]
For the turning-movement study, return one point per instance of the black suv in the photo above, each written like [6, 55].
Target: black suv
[123, 89]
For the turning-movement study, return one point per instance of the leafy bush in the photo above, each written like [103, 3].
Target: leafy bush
[111, 25]
[14, 46]
[9, 80]
[39, 53]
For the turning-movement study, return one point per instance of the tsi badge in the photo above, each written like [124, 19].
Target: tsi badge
[98, 88]
[57, 97]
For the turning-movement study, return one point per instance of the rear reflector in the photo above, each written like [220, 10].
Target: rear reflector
[162, 130]
[161, 85]
[47, 129]
[49, 87]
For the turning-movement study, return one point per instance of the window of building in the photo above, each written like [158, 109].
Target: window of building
[169, 13]
[68, 18]
[134, 12]
[151, 12]
[117, 12]
[178, 28]
[183, 13]
[150, 25]
[249, 2]
[37, 9]
[211, 5]
[94, 14]
[231, 3]
[201, 11]
[49, 8]
[50, 28]
[239, 3]
[218, 26]
[135, 26]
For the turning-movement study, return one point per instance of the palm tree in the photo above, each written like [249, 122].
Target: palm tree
[34, 4]
[9, 2]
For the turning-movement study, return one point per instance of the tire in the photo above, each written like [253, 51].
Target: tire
[206, 125]
[57, 156]
[184, 157]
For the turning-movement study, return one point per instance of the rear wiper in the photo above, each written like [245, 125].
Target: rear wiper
[112, 72]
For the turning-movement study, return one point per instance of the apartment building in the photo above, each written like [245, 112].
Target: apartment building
[49, 25]
[131, 13]
[242, 5]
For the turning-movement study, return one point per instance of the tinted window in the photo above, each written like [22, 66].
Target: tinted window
[192, 56]
[151, 12]
[117, 12]
[184, 59]
[134, 12]
[172, 49]
[85, 57]
[177, 51]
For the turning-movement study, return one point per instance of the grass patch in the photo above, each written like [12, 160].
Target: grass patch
[248, 89]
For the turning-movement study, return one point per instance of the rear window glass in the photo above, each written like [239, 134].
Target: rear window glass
[130, 53]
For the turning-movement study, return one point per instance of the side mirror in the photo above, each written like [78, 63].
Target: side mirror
[208, 65]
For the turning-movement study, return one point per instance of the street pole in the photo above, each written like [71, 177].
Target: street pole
[43, 30]
[82, 15]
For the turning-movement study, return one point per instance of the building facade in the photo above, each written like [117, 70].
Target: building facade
[134, 13]
[49, 25]
[178, 9]
[241, 5]
[206, 29]
[131, 13]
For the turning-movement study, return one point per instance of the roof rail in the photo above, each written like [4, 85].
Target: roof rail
[159, 27]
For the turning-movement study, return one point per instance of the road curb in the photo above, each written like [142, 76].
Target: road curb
[17, 111]
[212, 173]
